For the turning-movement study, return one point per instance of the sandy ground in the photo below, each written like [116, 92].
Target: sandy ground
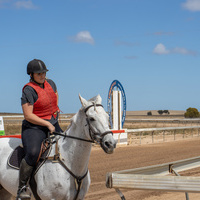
[135, 156]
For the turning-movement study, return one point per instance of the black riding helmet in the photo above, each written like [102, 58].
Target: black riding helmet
[36, 66]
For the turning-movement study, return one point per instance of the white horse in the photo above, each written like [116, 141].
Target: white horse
[68, 178]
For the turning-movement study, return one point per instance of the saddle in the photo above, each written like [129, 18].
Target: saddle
[18, 154]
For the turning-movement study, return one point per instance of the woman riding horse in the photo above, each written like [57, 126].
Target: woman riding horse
[40, 108]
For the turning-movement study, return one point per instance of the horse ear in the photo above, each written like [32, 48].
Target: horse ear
[83, 101]
[98, 99]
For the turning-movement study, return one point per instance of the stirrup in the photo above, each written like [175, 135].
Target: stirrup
[24, 189]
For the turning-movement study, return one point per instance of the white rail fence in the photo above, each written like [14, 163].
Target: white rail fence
[165, 120]
[122, 137]
[154, 178]
[163, 130]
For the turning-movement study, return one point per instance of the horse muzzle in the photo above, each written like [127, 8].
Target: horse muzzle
[108, 144]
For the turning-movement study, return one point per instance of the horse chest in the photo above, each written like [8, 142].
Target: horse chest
[59, 185]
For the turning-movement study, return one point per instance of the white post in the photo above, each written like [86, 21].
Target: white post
[119, 111]
[2, 132]
[115, 110]
[119, 135]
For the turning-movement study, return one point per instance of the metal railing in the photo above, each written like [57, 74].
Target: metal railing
[154, 178]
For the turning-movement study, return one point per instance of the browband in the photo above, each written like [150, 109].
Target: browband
[92, 106]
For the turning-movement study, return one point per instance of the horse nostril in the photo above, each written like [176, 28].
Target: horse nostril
[110, 145]
[107, 144]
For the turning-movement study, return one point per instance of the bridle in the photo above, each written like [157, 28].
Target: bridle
[93, 135]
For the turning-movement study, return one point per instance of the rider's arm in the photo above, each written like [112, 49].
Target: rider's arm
[34, 119]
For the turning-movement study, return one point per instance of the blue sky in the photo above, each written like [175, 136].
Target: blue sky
[151, 46]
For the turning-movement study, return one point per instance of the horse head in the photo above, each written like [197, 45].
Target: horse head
[97, 123]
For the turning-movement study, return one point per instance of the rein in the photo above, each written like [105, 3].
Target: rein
[72, 137]
[57, 157]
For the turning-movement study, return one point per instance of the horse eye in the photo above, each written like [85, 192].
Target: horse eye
[92, 119]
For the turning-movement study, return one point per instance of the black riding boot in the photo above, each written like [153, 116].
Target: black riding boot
[24, 175]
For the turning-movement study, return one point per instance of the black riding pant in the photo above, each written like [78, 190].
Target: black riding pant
[32, 138]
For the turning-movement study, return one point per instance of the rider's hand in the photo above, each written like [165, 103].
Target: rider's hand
[51, 128]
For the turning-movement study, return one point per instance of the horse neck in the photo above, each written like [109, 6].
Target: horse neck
[76, 153]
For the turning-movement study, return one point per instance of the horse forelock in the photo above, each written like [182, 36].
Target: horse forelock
[95, 106]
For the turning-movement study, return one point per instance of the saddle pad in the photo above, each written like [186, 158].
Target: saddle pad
[18, 154]
[16, 157]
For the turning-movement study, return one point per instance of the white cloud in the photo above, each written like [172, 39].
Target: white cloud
[24, 5]
[181, 50]
[160, 49]
[192, 5]
[83, 37]
[21, 4]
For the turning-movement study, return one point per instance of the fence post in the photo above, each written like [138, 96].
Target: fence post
[175, 134]
[152, 137]
[192, 132]
[177, 174]
[164, 136]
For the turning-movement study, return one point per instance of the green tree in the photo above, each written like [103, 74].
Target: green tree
[192, 113]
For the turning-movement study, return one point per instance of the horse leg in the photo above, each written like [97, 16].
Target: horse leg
[5, 195]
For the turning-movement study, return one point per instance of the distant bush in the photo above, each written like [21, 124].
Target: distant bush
[149, 113]
[163, 111]
[166, 111]
[192, 113]
[160, 112]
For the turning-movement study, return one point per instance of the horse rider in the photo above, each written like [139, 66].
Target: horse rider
[40, 108]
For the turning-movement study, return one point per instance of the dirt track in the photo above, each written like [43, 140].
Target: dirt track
[138, 156]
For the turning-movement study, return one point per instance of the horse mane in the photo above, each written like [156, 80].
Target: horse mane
[74, 119]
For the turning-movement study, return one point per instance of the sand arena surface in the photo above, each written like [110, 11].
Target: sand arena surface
[130, 157]
[135, 156]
